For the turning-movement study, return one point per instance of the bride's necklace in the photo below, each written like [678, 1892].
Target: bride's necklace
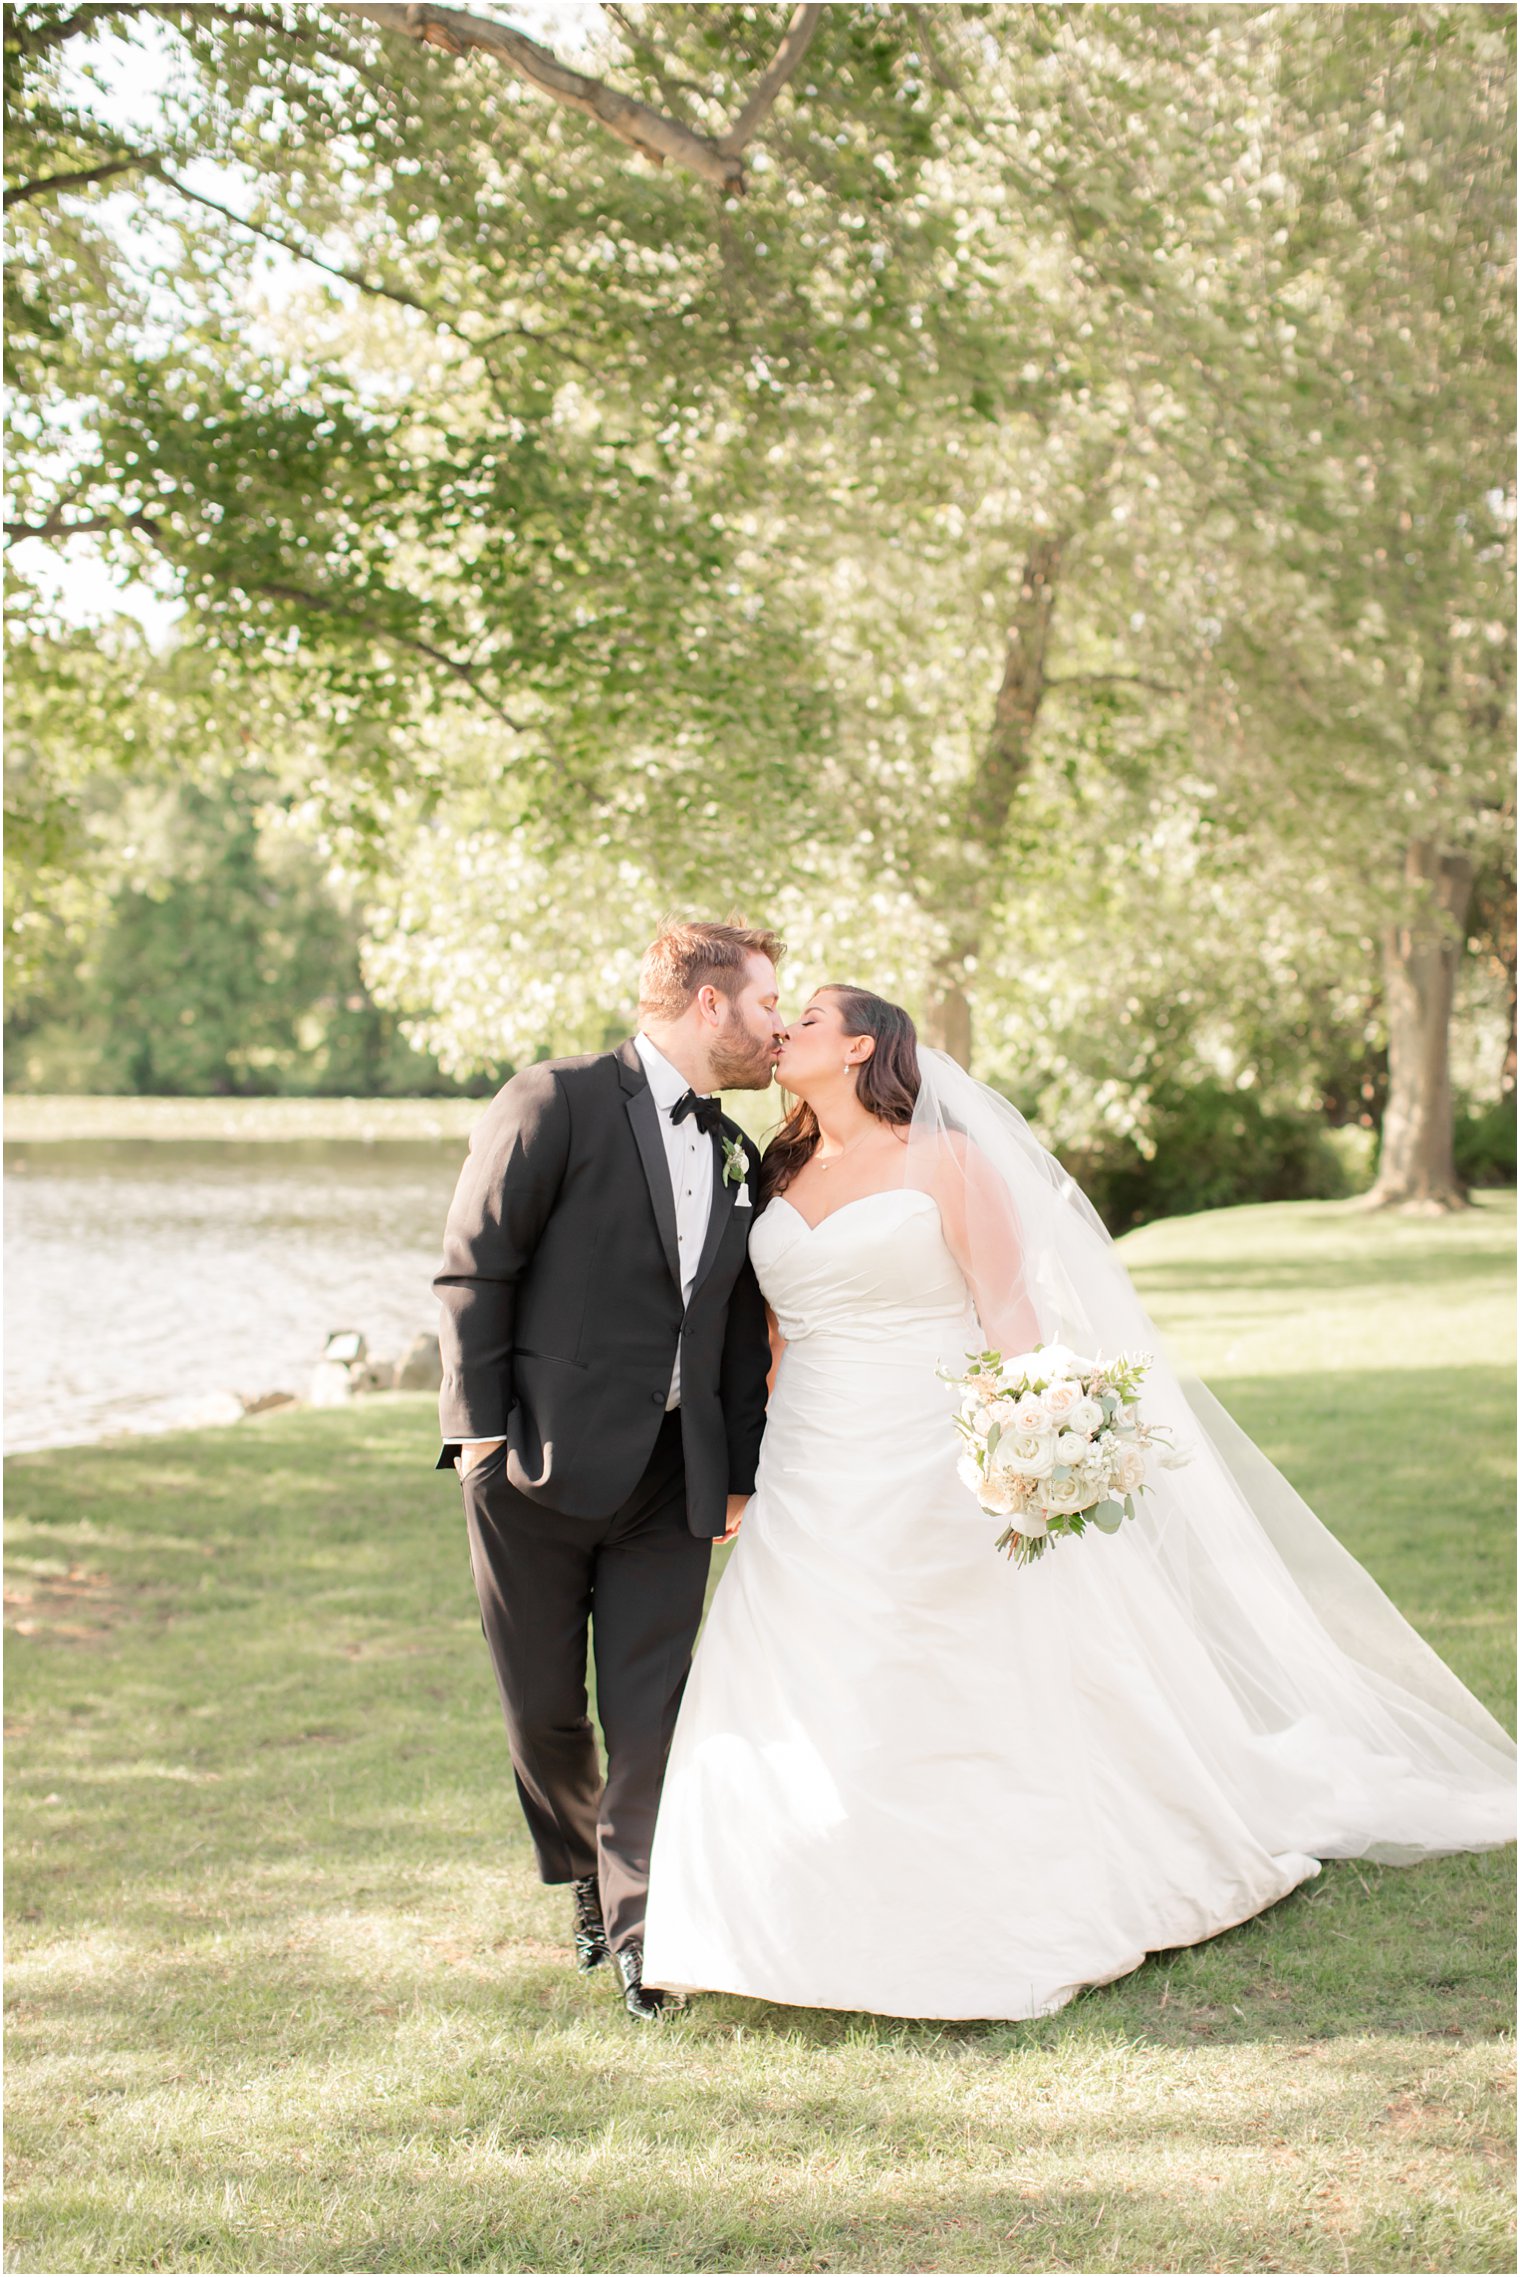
[827, 1162]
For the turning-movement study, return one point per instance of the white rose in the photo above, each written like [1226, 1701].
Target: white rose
[1026, 1364]
[1030, 1414]
[1085, 1416]
[1071, 1495]
[1028, 1454]
[1060, 1399]
[1053, 1360]
[1071, 1447]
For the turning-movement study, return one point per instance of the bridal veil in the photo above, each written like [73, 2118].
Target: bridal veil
[1321, 1664]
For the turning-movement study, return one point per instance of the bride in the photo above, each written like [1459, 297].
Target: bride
[911, 1778]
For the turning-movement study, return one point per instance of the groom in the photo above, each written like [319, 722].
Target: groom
[605, 1358]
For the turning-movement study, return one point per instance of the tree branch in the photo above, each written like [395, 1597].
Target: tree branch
[354, 277]
[329, 605]
[36, 41]
[1114, 679]
[141, 518]
[648, 131]
[794, 46]
[653, 133]
[56, 183]
[149, 163]
[54, 526]
[92, 17]
[672, 86]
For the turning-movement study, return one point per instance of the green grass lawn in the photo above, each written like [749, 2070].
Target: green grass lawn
[285, 1994]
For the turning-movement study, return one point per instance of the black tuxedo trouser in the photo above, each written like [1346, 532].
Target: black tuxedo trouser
[635, 1582]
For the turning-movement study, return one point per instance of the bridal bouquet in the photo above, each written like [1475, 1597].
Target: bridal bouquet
[1053, 1442]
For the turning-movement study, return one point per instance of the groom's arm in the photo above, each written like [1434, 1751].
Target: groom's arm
[506, 1190]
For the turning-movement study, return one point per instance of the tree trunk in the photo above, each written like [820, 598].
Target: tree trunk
[1416, 1170]
[1004, 763]
[1006, 754]
[947, 1020]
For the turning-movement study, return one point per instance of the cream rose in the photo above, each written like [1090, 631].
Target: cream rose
[1129, 1470]
[1071, 1495]
[1029, 1413]
[1085, 1416]
[1060, 1399]
[1028, 1454]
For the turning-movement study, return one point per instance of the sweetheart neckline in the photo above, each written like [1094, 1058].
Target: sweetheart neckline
[879, 1195]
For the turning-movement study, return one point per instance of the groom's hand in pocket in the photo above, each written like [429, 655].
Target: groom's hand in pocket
[737, 1505]
[474, 1451]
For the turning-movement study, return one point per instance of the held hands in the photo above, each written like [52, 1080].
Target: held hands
[476, 1452]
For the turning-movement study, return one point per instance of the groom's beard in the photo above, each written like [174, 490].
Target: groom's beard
[741, 1061]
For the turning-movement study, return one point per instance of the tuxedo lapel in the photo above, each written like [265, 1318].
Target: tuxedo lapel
[717, 1217]
[644, 1116]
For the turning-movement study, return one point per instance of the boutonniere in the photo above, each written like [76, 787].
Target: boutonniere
[735, 1163]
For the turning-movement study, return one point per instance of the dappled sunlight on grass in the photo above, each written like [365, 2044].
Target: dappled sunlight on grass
[286, 1995]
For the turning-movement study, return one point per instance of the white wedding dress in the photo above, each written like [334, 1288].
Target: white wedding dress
[912, 1779]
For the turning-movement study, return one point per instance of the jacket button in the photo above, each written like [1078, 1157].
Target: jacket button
[659, 1398]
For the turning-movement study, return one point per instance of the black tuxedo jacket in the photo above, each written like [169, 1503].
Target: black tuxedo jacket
[561, 1296]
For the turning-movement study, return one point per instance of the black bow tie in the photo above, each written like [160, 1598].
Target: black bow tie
[707, 1111]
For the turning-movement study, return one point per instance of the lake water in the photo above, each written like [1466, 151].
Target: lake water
[149, 1283]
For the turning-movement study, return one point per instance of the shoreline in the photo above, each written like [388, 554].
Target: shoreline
[62, 1119]
[38, 1119]
[255, 1412]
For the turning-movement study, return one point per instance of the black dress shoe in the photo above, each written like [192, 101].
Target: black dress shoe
[591, 1946]
[641, 2000]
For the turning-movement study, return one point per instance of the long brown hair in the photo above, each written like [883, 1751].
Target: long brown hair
[886, 1085]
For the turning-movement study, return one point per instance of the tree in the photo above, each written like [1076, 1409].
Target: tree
[981, 458]
[1369, 652]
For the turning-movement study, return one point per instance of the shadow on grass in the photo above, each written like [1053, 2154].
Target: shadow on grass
[300, 1714]
[325, 2117]
[265, 1970]
[287, 1995]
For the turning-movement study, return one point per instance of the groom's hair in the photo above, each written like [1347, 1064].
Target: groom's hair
[690, 954]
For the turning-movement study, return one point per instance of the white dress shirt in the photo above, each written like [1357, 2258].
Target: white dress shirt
[688, 1151]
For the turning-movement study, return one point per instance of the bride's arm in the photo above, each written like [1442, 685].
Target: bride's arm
[778, 1346]
[983, 1235]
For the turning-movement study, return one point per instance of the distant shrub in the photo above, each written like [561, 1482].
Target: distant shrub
[1485, 1144]
[1216, 1147]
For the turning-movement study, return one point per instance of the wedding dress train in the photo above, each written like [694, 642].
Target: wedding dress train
[912, 1779]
